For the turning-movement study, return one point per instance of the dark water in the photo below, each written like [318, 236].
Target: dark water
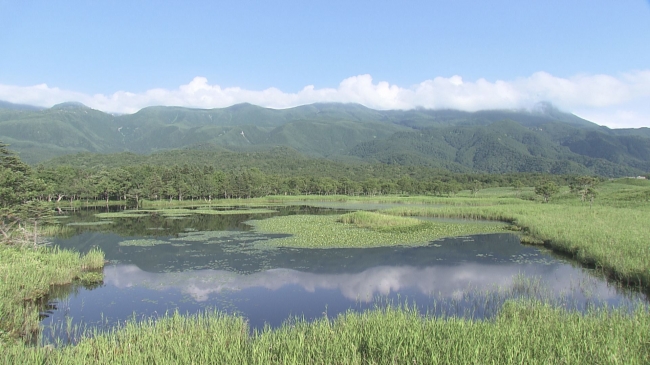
[203, 267]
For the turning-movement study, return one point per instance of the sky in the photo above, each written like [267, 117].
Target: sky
[588, 57]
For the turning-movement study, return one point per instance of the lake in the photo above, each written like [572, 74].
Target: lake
[162, 263]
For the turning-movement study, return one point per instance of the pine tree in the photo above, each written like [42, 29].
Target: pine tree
[10, 161]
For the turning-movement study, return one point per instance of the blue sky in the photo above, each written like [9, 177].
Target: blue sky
[589, 57]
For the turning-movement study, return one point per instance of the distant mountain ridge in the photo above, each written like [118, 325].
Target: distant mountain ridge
[12, 106]
[543, 139]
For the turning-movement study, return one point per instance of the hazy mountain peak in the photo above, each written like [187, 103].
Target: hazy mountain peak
[69, 105]
[243, 106]
[545, 108]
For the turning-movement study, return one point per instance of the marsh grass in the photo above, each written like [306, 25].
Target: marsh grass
[377, 221]
[625, 193]
[93, 259]
[27, 274]
[524, 332]
[325, 231]
[471, 200]
[609, 238]
[51, 230]
[26, 235]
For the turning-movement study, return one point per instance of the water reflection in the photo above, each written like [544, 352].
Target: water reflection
[439, 281]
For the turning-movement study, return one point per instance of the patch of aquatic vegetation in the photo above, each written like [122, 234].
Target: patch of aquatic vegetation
[312, 231]
[120, 215]
[176, 215]
[99, 223]
[231, 211]
[532, 258]
[215, 237]
[144, 242]
[200, 236]
[187, 212]
[181, 212]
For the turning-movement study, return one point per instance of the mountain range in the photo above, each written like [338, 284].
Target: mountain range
[543, 139]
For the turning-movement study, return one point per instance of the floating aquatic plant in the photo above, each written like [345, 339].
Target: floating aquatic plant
[143, 242]
[99, 223]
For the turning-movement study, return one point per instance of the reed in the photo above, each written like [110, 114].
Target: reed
[523, 332]
[374, 220]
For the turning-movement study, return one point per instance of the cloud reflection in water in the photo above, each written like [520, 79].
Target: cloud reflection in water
[445, 281]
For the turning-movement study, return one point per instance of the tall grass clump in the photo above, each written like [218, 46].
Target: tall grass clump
[93, 259]
[524, 332]
[372, 220]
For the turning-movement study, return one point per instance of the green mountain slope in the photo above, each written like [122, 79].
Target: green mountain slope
[497, 148]
[544, 139]
[62, 129]
[5, 105]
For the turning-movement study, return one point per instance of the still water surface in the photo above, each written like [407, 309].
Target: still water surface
[212, 262]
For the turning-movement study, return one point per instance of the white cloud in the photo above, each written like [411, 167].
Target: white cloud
[616, 101]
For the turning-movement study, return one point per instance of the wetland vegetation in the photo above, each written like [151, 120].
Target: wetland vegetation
[608, 233]
[523, 332]
[362, 229]
[28, 274]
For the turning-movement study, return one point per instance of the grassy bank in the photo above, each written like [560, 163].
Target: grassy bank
[523, 333]
[614, 239]
[27, 274]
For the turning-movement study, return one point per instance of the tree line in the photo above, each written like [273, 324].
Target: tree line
[20, 183]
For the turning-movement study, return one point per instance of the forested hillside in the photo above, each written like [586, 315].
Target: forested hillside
[543, 140]
[507, 146]
[237, 175]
